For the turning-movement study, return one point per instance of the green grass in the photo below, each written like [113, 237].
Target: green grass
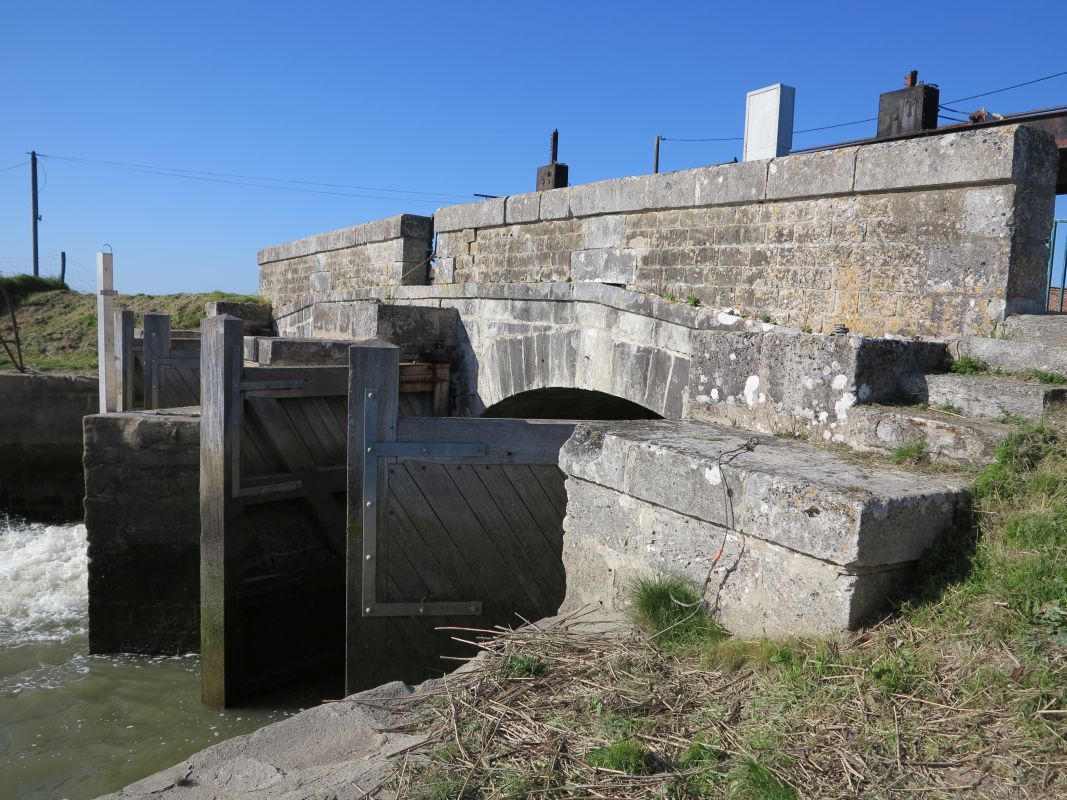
[20, 286]
[1049, 378]
[692, 300]
[516, 667]
[914, 452]
[670, 297]
[753, 781]
[58, 327]
[968, 365]
[805, 329]
[768, 319]
[628, 755]
[670, 609]
[948, 408]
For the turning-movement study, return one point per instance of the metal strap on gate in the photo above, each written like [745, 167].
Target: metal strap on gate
[372, 451]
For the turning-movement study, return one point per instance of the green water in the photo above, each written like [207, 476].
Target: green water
[77, 726]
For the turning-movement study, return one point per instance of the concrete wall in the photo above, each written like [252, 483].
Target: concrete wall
[142, 515]
[930, 236]
[388, 252]
[41, 444]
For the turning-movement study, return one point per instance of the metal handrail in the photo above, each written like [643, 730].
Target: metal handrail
[1053, 254]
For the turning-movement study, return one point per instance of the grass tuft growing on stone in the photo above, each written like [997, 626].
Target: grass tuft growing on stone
[671, 611]
[916, 451]
[968, 365]
[1048, 378]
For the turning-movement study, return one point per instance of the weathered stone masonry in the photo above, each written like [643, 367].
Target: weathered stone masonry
[936, 236]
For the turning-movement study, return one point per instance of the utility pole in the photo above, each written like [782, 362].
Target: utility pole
[33, 203]
[655, 158]
[62, 266]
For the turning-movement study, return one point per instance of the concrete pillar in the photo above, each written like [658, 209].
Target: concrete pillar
[105, 331]
[769, 122]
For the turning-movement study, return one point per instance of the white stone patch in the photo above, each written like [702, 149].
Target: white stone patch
[715, 394]
[762, 397]
[842, 406]
[809, 384]
[823, 416]
[733, 356]
[726, 319]
[839, 383]
[751, 389]
[713, 475]
[827, 435]
[703, 398]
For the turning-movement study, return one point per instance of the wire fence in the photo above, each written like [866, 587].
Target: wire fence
[78, 276]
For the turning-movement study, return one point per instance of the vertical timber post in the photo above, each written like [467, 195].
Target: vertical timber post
[655, 157]
[156, 348]
[105, 329]
[62, 266]
[35, 212]
[374, 374]
[124, 359]
[221, 549]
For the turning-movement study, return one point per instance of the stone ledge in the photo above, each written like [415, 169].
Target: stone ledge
[787, 493]
[381, 230]
[483, 214]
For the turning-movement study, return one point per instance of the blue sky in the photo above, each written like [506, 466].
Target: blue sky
[442, 97]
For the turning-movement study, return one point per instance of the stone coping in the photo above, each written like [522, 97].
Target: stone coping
[985, 156]
[380, 230]
[784, 491]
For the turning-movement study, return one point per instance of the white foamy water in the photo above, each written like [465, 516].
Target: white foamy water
[44, 592]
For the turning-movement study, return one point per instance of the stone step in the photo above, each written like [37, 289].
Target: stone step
[1047, 329]
[811, 542]
[1011, 355]
[993, 396]
[949, 437]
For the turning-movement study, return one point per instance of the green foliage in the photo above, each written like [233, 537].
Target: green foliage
[968, 365]
[767, 318]
[692, 300]
[753, 781]
[628, 755]
[671, 609]
[913, 452]
[805, 329]
[670, 297]
[441, 785]
[1050, 378]
[516, 667]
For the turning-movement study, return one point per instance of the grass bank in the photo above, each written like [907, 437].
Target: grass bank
[959, 693]
[58, 326]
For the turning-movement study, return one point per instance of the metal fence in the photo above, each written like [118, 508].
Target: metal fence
[77, 276]
[1057, 268]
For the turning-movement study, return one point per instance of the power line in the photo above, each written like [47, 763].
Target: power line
[14, 166]
[875, 119]
[241, 180]
[1008, 88]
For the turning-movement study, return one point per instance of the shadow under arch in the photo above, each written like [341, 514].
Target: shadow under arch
[563, 403]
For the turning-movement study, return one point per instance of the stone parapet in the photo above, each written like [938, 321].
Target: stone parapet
[388, 252]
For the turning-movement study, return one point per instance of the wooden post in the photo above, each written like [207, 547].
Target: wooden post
[221, 550]
[374, 373]
[156, 348]
[105, 330]
[124, 321]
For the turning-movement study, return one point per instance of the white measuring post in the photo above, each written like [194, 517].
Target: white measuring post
[769, 122]
[105, 331]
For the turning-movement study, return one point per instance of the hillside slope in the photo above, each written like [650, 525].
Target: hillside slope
[58, 326]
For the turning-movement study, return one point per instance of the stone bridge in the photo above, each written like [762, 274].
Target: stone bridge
[720, 340]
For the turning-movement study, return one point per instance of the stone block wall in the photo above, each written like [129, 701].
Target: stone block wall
[41, 444]
[929, 236]
[388, 252]
[142, 515]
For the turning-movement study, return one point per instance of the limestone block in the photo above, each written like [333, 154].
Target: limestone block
[811, 174]
[606, 231]
[612, 540]
[555, 204]
[377, 231]
[730, 183]
[523, 208]
[992, 397]
[784, 492]
[484, 214]
[948, 437]
[604, 265]
[1015, 356]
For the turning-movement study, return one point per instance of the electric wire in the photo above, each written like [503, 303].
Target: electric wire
[15, 166]
[875, 119]
[246, 180]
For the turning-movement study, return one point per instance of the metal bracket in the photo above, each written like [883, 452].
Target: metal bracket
[372, 451]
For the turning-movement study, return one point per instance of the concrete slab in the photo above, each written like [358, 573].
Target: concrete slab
[1013, 355]
[992, 396]
[949, 437]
